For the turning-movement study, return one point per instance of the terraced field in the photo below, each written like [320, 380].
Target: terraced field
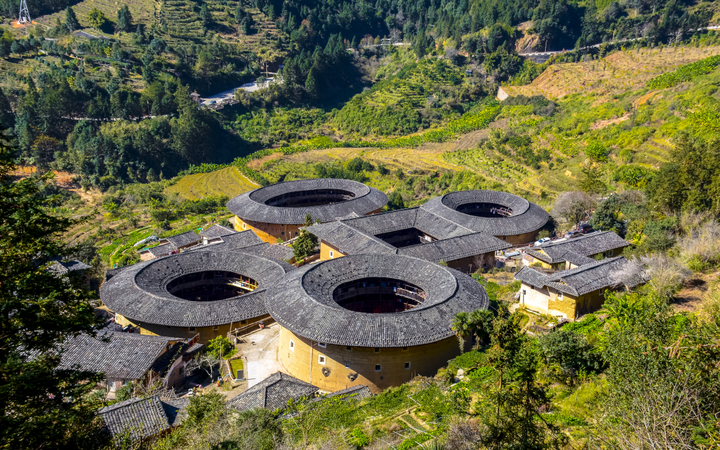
[228, 181]
[615, 74]
[406, 159]
[143, 11]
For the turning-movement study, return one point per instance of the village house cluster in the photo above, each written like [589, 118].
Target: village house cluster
[372, 310]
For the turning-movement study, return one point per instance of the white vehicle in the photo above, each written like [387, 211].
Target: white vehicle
[542, 241]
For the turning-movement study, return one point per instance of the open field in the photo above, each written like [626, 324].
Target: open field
[228, 181]
[617, 73]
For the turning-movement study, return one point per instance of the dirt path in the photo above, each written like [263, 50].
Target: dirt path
[691, 295]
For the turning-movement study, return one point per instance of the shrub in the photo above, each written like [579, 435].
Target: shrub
[596, 151]
[684, 73]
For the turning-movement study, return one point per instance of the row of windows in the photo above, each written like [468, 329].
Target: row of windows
[378, 367]
[348, 348]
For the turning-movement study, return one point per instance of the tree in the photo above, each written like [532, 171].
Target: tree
[206, 16]
[221, 347]
[606, 215]
[569, 353]
[44, 149]
[40, 406]
[476, 324]
[662, 375]
[206, 361]
[510, 410]
[395, 201]
[573, 206]
[124, 19]
[311, 83]
[71, 21]
[97, 18]
[591, 181]
[305, 244]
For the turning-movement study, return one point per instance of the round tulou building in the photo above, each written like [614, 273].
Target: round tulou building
[376, 320]
[206, 292]
[500, 214]
[277, 211]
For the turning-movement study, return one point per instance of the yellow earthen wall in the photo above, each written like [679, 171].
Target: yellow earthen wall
[519, 239]
[270, 232]
[206, 333]
[303, 362]
[325, 249]
[534, 299]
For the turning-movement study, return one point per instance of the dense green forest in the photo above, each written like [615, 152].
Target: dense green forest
[116, 110]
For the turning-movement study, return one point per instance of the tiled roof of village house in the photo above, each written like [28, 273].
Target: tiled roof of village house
[139, 292]
[217, 231]
[122, 355]
[248, 242]
[63, 267]
[455, 248]
[142, 417]
[356, 392]
[356, 236]
[272, 393]
[431, 224]
[581, 280]
[525, 217]
[174, 243]
[183, 239]
[251, 205]
[349, 240]
[303, 302]
[585, 245]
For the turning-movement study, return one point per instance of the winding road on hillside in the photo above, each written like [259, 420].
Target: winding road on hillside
[555, 52]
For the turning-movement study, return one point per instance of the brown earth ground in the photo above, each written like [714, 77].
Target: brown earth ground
[691, 295]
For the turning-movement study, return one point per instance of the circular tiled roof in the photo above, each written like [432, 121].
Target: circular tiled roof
[303, 302]
[252, 205]
[525, 218]
[140, 291]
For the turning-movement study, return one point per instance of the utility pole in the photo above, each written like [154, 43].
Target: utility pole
[24, 17]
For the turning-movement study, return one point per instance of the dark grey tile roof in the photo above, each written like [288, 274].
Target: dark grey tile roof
[240, 240]
[455, 248]
[585, 245]
[526, 217]
[348, 239]
[356, 392]
[272, 393]
[356, 236]
[142, 417]
[183, 239]
[384, 222]
[112, 272]
[217, 231]
[578, 259]
[303, 302]
[581, 280]
[124, 355]
[140, 293]
[273, 251]
[175, 409]
[63, 267]
[161, 250]
[251, 205]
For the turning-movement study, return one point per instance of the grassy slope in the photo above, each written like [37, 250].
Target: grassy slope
[621, 113]
[181, 19]
[227, 181]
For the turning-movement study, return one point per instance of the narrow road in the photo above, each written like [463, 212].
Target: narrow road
[555, 52]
